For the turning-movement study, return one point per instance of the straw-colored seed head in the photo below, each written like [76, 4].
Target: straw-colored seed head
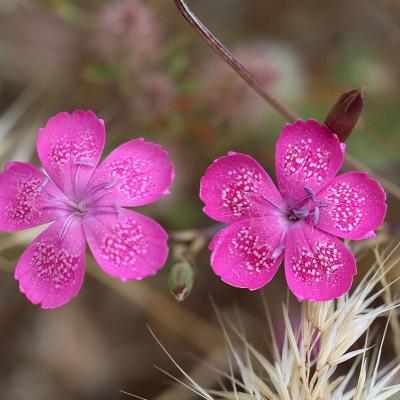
[321, 357]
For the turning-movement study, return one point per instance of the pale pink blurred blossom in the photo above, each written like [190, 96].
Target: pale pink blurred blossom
[127, 34]
[154, 95]
[276, 67]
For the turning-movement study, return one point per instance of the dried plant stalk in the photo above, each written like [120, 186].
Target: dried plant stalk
[321, 358]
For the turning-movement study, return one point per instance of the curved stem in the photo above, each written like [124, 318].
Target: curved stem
[230, 59]
[390, 186]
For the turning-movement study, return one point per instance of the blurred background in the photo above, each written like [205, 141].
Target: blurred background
[144, 70]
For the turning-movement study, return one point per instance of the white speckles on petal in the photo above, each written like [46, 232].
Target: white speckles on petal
[27, 197]
[239, 190]
[354, 206]
[245, 254]
[65, 150]
[139, 173]
[347, 206]
[51, 270]
[316, 266]
[24, 209]
[257, 258]
[125, 245]
[70, 146]
[131, 177]
[236, 187]
[307, 154]
[54, 265]
[303, 156]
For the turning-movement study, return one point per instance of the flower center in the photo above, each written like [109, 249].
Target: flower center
[80, 207]
[292, 216]
[309, 209]
[84, 204]
[85, 200]
[95, 193]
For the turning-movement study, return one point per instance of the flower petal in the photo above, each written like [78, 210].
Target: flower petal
[236, 187]
[308, 155]
[27, 197]
[247, 253]
[51, 270]
[137, 173]
[70, 147]
[353, 206]
[318, 266]
[126, 245]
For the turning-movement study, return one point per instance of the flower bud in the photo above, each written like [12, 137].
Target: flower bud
[180, 280]
[345, 113]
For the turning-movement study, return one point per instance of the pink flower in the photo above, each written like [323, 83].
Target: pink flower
[86, 202]
[127, 34]
[154, 96]
[276, 67]
[299, 221]
[224, 92]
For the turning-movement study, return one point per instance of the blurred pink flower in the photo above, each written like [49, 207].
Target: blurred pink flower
[299, 221]
[154, 95]
[127, 34]
[86, 202]
[276, 68]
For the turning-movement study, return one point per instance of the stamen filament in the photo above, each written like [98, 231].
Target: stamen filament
[92, 200]
[56, 208]
[316, 216]
[80, 163]
[65, 227]
[101, 186]
[63, 202]
[76, 179]
[99, 211]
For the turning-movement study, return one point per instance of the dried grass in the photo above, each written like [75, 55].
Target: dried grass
[334, 354]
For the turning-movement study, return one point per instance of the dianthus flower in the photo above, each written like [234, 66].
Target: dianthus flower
[86, 202]
[299, 222]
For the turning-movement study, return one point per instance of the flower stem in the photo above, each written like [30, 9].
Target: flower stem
[230, 59]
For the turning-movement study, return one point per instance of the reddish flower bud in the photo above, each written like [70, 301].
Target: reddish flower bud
[345, 113]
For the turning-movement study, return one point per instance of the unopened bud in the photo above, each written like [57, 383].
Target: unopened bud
[180, 280]
[345, 113]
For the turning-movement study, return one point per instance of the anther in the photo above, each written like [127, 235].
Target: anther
[309, 192]
[65, 227]
[118, 210]
[85, 161]
[43, 184]
[270, 201]
[278, 251]
[301, 213]
[316, 216]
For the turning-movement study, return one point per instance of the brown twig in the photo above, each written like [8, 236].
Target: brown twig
[253, 82]
[230, 59]
[389, 186]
